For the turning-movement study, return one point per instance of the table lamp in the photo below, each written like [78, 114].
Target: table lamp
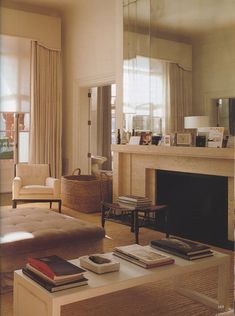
[194, 122]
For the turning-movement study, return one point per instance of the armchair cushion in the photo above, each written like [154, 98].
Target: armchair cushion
[36, 189]
[32, 173]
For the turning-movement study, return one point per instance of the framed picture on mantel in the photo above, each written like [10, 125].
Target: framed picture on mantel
[183, 139]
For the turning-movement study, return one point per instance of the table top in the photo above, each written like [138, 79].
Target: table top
[151, 208]
[128, 276]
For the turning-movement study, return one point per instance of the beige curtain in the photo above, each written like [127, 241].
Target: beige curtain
[46, 107]
[104, 125]
[180, 97]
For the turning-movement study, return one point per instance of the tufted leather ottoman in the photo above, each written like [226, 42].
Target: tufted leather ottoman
[39, 232]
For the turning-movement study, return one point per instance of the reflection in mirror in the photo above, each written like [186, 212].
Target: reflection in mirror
[222, 113]
[178, 56]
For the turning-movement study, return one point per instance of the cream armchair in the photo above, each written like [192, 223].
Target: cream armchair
[33, 183]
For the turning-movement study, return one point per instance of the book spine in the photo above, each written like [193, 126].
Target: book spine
[50, 287]
[38, 280]
[173, 252]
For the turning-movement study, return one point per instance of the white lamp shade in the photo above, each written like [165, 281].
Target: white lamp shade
[196, 121]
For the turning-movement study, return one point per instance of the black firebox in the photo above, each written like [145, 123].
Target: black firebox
[198, 205]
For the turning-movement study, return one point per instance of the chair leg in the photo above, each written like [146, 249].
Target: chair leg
[14, 204]
[50, 204]
[59, 203]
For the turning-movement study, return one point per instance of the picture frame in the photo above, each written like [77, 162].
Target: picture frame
[134, 140]
[214, 135]
[166, 140]
[183, 139]
[145, 138]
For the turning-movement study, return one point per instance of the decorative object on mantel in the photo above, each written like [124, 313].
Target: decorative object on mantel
[118, 137]
[156, 139]
[165, 140]
[183, 139]
[195, 122]
[201, 141]
[134, 140]
[215, 135]
[145, 138]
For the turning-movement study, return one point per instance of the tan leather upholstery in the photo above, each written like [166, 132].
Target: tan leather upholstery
[33, 182]
[39, 232]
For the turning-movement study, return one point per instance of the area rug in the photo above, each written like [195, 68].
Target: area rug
[153, 299]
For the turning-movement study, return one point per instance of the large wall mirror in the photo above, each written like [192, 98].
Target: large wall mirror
[178, 61]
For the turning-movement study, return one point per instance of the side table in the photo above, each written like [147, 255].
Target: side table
[109, 210]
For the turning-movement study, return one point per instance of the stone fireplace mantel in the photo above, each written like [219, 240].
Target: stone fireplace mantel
[134, 168]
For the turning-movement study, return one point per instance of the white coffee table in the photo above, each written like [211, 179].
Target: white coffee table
[31, 299]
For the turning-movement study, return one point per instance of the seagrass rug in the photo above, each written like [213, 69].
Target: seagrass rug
[150, 299]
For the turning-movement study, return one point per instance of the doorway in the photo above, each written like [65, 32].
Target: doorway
[102, 123]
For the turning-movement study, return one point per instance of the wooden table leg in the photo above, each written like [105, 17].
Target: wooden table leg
[136, 225]
[102, 215]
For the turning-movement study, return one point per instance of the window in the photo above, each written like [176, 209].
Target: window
[144, 94]
[14, 98]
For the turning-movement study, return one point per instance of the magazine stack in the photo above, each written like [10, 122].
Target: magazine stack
[54, 273]
[143, 256]
[186, 249]
[133, 201]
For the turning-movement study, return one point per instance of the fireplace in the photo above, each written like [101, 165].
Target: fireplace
[198, 205]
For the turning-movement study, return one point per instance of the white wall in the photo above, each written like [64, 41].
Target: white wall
[43, 28]
[92, 48]
[213, 68]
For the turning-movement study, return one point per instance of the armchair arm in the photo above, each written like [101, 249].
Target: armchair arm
[55, 184]
[16, 185]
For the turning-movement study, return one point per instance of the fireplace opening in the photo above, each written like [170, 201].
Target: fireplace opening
[198, 205]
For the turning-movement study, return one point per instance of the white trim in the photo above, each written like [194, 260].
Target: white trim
[96, 81]
[78, 85]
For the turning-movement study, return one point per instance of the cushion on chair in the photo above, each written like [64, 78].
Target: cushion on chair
[36, 189]
[32, 173]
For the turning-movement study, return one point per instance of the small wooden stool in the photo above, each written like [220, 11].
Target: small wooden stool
[109, 210]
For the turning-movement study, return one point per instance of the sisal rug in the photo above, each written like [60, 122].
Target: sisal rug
[152, 299]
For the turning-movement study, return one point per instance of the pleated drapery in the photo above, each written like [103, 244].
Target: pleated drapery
[180, 105]
[46, 108]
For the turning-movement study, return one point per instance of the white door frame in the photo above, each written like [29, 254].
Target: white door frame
[80, 117]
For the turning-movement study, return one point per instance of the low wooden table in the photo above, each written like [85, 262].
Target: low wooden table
[30, 299]
[108, 209]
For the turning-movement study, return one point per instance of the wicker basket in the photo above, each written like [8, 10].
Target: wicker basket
[84, 193]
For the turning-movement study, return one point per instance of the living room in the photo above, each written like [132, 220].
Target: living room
[89, 36]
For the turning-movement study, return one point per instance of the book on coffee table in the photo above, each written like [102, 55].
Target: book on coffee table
[186, 249]
[55, 267]
[142, 256]
[52, 287]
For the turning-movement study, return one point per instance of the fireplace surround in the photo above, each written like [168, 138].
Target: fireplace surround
[135, 167]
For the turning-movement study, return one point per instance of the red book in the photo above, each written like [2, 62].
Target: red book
[55, 267]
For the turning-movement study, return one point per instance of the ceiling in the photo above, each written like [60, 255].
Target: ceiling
[188, 17]
[41, 6]
[184, 17]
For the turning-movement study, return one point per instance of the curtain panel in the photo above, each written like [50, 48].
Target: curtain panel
[46, 108]
[180, 103]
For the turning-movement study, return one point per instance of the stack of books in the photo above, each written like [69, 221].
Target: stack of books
[132, 201]
[142, 256]
[186, 249]
[54, 273]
